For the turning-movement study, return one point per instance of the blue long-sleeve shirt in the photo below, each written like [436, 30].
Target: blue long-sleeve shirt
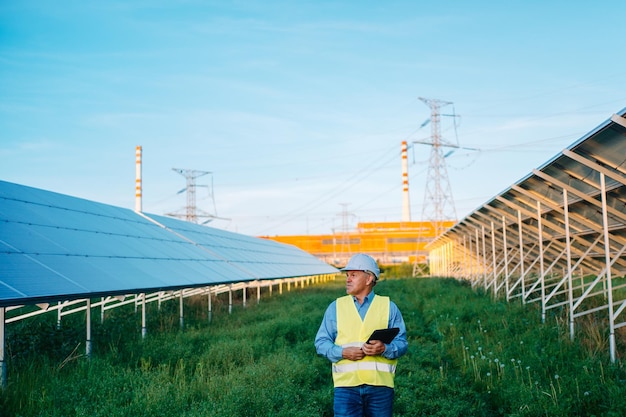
[327, 333]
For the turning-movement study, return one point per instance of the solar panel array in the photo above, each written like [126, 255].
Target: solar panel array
[56, 247]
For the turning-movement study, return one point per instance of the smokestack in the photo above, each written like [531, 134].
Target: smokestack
[138, 206]
[406, 207]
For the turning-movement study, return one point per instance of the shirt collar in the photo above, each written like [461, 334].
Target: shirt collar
[368, 298]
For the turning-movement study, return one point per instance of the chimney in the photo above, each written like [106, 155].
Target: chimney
[138, 186]
[406, 207]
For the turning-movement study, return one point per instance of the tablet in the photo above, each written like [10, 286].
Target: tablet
[384, 335]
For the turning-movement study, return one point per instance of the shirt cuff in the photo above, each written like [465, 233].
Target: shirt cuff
[335, 354]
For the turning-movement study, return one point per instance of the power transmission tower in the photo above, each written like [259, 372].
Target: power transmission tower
[438, 202]
[345, 229]
[192, 213]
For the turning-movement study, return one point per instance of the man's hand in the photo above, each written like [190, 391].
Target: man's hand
[373, 348]
[353, 353]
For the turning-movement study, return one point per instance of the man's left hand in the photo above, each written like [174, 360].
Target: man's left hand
[373, 348]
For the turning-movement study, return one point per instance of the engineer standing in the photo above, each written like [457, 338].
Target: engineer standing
[363, 373]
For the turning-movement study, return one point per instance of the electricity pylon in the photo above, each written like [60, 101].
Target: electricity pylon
[345, 229]
[192, 213]
[438, 202]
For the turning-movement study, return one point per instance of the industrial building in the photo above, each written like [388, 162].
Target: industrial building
[388, 242]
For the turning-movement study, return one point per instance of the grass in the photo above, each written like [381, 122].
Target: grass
[468, 356]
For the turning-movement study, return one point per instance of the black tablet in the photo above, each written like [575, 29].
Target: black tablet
[384, 335]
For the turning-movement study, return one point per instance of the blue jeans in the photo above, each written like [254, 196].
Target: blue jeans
[363, 401]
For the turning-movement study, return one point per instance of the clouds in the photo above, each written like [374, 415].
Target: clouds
[295, 107]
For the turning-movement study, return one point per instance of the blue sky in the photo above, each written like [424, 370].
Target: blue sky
[297, 108]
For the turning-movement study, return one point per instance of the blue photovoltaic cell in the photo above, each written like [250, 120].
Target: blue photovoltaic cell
[266, 258]
[55, 247]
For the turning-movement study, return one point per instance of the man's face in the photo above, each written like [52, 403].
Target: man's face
[358, 283]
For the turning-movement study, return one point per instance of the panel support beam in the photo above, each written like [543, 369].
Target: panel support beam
[3, 364]
[88, 320]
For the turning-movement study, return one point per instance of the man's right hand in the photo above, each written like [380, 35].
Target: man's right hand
[353, 353]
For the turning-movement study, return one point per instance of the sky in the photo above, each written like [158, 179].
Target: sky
[296, 110]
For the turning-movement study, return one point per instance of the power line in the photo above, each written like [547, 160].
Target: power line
[354, 179]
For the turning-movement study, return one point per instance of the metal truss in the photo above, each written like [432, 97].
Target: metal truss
[557, 237]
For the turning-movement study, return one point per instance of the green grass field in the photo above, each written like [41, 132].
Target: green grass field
[468, 356]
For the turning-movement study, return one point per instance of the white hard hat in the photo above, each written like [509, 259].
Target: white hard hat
[362, 262]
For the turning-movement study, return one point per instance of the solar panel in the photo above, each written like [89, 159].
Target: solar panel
[56, 247]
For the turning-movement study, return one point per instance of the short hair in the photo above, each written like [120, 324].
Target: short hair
[373, 275]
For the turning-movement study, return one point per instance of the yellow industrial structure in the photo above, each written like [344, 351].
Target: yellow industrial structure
[388, 242]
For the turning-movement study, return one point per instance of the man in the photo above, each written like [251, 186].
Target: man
[363, 373]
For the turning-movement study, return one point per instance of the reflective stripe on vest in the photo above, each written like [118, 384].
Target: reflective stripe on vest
[352, 331]
[355, 344]
[364, 366]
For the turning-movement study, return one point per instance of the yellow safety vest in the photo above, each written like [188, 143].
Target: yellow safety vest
[352, 331]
